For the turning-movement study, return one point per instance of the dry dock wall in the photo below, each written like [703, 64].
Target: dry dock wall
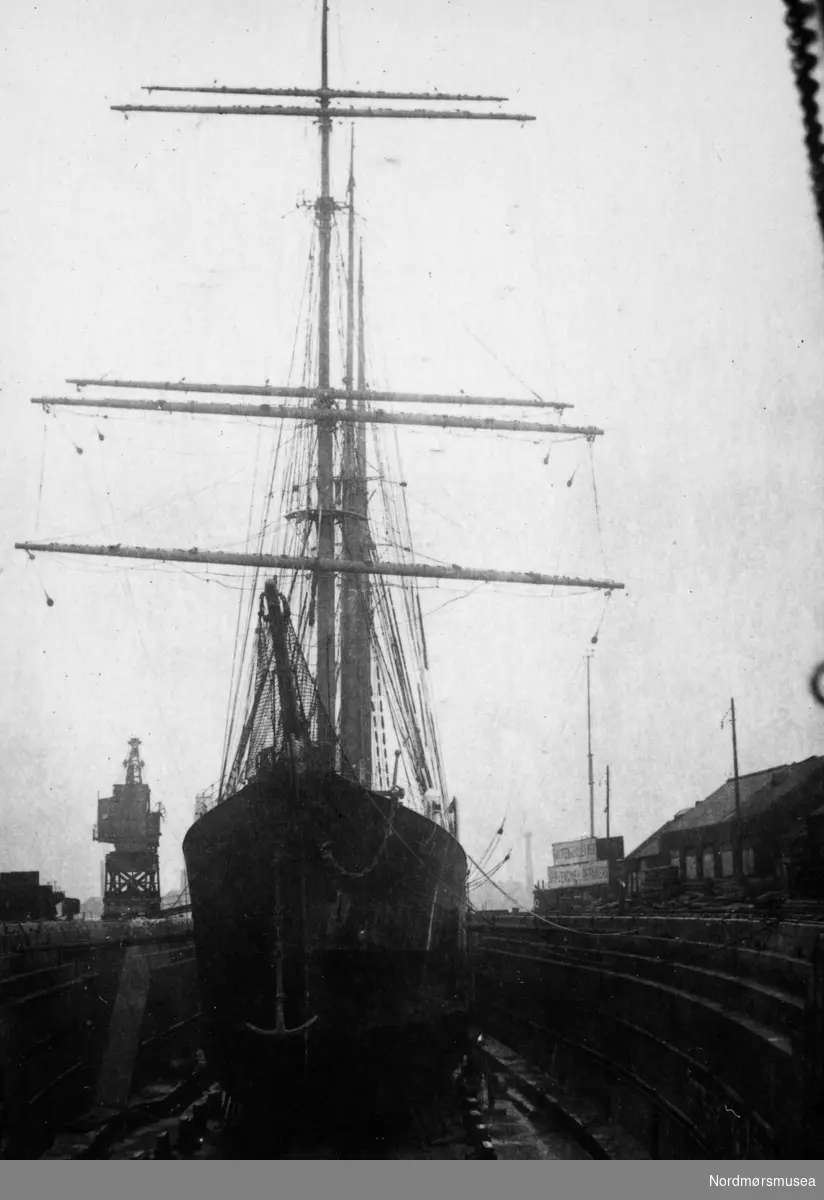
[701, 1037]
[87, 1012]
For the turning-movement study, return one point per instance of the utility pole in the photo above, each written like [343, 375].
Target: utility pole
[530, 878]
[589, 757]
[606, 810]
[737, 865]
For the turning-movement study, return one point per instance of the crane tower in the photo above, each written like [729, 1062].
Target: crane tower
[126, 821]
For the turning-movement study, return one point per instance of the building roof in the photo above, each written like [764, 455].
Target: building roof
[759, 791]
[648, 849]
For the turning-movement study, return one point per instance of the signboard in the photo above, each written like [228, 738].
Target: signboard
[580, 851]
[612, 847]
[578, 875]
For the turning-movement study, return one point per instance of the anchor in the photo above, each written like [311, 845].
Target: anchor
[280, 1030]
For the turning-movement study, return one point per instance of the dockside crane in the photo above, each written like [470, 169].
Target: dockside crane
[127, 821]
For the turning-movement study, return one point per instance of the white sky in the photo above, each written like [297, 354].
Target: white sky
[646, 251]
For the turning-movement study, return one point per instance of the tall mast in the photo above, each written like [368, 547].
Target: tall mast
[355, 659]
[589, 758]
[606, 809]
[325, 666]
[737, 856]
[361, 338]
[360, 504]
[349, 379]
[358, 562]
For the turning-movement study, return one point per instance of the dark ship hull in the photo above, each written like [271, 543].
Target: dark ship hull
[367, 901]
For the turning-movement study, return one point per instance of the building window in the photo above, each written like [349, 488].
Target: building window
[749, 860]
[709, 864]
[675, 861]
[692, 866]
[726, 862]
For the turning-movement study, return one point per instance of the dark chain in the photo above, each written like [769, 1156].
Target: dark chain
[805, 20]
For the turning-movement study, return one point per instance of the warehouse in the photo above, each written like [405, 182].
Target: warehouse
[697, 844]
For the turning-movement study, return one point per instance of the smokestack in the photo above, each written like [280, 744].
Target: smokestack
[530, 880]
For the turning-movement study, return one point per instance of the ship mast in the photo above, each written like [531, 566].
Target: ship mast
[589, 755]
[360, 507]
[355, 562]
[355, 647]
[325, 668]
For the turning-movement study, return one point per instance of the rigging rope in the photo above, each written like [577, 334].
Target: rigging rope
[42, 471]
[597, 506]
[246, 661]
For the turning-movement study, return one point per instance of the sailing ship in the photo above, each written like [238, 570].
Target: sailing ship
[328, 892]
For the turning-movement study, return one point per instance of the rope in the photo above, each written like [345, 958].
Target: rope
[42, 470]
[708, 952]
[597, 506]
[509, 369]
[545, 920]
[243, 663]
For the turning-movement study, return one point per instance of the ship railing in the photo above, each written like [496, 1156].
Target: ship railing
[207, 799]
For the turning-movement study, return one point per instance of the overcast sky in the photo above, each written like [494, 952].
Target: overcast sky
[646, 250]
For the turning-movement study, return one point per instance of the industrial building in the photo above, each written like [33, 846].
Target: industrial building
[24, 898]
[773, 824]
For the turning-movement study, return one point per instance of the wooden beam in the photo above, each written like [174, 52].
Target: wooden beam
[327, 93]
[323, 416]
[339, 566]
[309, 393]
[280, 110]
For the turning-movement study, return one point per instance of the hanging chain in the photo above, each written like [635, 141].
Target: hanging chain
[805, 20]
